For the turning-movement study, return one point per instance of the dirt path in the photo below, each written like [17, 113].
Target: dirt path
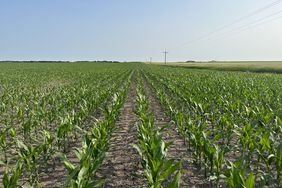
[191, 176]
[121, 167]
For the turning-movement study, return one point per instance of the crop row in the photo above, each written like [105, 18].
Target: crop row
[230, 122]
[158, 170]
[95, 144]
[38, 124]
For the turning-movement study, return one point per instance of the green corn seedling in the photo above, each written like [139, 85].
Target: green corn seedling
[11, 179]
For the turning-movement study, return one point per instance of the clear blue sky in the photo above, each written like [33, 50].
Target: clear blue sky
[136, 30]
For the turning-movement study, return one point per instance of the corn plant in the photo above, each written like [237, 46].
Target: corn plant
[218, 160]
[153, 150]
[209, 152]
[235, 176]
[94, 147]
[198, 141]
[80, 176]
[3, 142]
[11, 177]
[64, 131]
[277, 159]
[30, 155]
[47, 146]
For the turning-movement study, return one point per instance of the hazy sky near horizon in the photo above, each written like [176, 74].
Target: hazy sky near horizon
[131, 30]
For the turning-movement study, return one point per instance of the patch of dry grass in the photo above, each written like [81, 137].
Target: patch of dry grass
[251, 66]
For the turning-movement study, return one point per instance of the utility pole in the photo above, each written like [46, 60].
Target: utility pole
[165, 52]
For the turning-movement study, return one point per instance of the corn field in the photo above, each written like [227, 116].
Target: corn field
[83, 125]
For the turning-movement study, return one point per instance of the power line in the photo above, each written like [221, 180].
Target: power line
[268, 6]
[165, 53]
[251, 25]
[271, 20]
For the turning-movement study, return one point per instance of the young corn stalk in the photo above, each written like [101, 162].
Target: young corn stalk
[63, 132]
[159, 171]
[30, 155]
[90, 157]
[218, 160]
[11, 177]
[95, 145]
[235, 176]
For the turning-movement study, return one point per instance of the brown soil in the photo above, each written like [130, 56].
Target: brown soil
[122, 168]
